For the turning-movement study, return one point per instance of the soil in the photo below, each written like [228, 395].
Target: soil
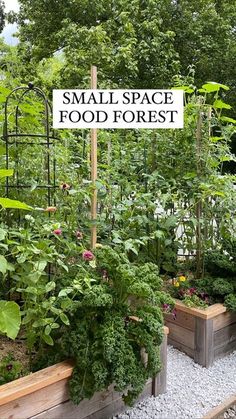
[18, 349]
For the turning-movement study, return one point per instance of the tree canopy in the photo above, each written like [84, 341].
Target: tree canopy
[135, 43]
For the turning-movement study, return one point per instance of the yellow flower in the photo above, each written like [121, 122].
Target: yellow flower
[176, 283]
[182, 278]
[98, 246]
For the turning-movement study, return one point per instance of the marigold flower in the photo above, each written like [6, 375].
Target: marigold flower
[51, 209]
[87, 255]
[176, 284]
[182, 278]
[58, 232]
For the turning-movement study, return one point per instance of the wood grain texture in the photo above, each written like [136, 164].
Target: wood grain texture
[204, 349]
[188, 351]
[36, 402]
[183, 319]
[224, 336]
[224, 320]
[181, 335]
[219, 410]
[36, 381]
[159, 382]
[226, 349]
[102, 405]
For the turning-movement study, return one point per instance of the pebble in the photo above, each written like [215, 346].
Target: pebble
[192, 390]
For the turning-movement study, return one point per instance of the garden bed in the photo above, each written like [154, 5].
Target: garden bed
[223, 410]
[204, 335]
[44, 394]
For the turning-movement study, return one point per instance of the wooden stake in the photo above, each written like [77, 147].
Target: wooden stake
[94, 167]
[199, 260]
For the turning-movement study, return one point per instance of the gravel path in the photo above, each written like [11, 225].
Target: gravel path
[191, 389]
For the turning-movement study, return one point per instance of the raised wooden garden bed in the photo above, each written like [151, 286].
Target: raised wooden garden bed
[204, 335]
[44, 395]
[219, 411]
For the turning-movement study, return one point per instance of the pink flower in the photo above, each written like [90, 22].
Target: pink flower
[64, 186]
[79, 235]
[58, 232]
[87, 255]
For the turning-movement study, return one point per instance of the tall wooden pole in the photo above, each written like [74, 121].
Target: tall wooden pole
[94, 167]
[199, 259]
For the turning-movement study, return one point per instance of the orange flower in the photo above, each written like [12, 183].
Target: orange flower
[51, 209]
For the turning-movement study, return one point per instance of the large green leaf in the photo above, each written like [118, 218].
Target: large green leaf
[214, 87]
[5, 173]
[3, 264]
[219, 104]
[10, 318]
[12, 203]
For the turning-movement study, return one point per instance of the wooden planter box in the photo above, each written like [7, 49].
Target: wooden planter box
[204, 335]
[44, 395]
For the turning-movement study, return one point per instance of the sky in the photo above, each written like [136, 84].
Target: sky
[9, 28]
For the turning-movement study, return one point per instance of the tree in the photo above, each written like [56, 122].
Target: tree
[135, 43]
[2, 16]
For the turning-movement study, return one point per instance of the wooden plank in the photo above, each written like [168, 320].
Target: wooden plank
[183, 319]
[219, 410]
[94, 167]
[225, 335]
[36, 402]
[181, 335]
[102, 405]
[29, 384]
[188, 351]
[207, 313]
[204, 349]
[225, 349]
[159, 382]
[223, 320]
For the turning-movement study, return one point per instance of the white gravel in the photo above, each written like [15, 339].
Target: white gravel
[192, 390]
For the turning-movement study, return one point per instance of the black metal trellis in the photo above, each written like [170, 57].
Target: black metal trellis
[14, 136]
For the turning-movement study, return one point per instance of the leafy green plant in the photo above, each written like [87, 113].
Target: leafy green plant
[230, 302]
[10, 369]
[112, 324]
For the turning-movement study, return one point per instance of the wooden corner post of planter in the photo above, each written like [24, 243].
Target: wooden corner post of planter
[93, 168]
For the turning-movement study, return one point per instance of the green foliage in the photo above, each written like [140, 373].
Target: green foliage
[10, 369]
[222, 287]
[10, 318]
[113, 324]
[194, 301]
[230, 302]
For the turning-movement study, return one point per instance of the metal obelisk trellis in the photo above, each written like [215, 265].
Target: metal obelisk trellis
[14, 136]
